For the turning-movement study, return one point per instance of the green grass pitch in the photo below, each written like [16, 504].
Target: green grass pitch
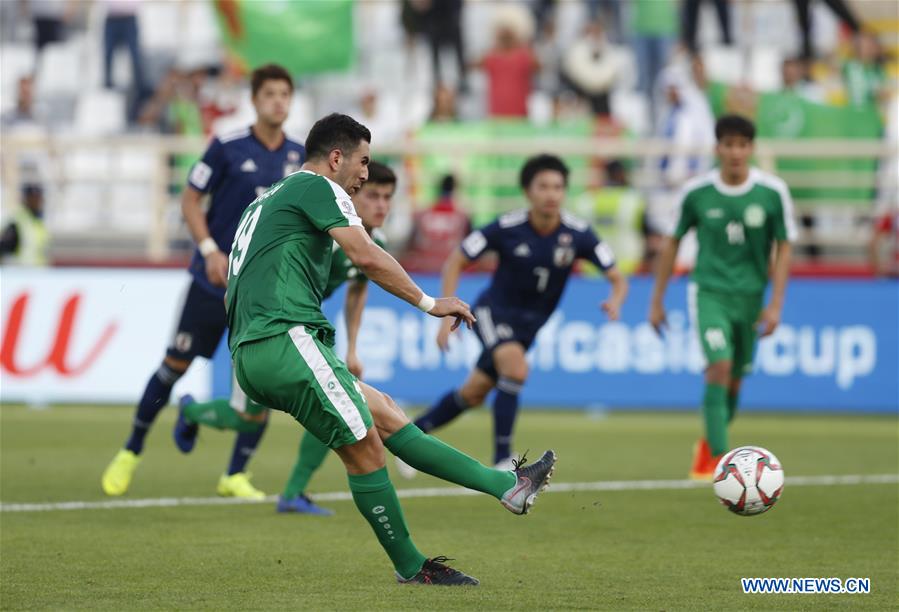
[629, 549]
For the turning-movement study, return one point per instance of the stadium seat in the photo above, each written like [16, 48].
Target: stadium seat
[764, 69]
[100, 112]
[724, 64]
[60, 70]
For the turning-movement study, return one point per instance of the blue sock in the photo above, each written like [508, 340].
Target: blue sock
[505, 408]
[448, 408]
[244, 447]
[155, 397]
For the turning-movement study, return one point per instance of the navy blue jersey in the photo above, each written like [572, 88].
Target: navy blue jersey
[235, 169]
[533, 269]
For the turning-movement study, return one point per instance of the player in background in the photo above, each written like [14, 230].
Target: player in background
[537, 248]
[282, 344]
[372, 202]
[740, 214]
[234, 170]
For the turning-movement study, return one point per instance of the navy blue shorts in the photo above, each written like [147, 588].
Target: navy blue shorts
[495, 327]
[202, 324]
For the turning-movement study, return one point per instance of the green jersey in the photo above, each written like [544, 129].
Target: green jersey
[281, 258]
[735, 227]
[342, 269]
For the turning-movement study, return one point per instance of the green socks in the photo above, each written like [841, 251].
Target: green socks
[714, 409]
[219, 414]
[311, 455]
[377, 501]
[428, 454]
[731, 407]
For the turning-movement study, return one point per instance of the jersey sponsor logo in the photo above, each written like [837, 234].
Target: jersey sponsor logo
[522, 250]
[200, 175]
[754, 216]
[474, 244]
[563, 256]
[714, 213]
[248, 166]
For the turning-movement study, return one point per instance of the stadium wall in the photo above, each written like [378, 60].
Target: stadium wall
[75, 335]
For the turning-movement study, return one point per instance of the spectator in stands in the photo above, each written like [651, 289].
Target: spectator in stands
[121, 29]
[691, 20]
[510, 65]
[863, 73]
[795, 75]
[549, 55]
[444, 29]
[444, 106]
[607, 12]
[592, 66]
[804, 16]
[50, 18]
[25, 112]
[437, 232]
[25, 241]
[654, 32]
[886, 232]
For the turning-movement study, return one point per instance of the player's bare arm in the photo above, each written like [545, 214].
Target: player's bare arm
[379, 266]
[664, 269]
[769, 318]
[449, 282]
[354, 304]
[195, 217]
[612, 306]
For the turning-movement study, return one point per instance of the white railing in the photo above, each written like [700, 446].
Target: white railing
[118, 197]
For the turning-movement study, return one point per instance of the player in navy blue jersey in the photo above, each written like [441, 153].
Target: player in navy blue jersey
[537, 248]
[234, 170]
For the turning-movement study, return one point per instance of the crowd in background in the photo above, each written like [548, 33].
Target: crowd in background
[629, 66]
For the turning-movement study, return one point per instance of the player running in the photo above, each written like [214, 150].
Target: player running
[234, 170]
[739, 213]
[282, 344]
[537, 248]
[372, 203]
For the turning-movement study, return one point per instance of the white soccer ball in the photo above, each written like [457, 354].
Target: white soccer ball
[748, 480]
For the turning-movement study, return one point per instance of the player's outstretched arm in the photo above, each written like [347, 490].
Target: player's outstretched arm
[612, 306]
[195, 217]
[356, 294]
[664, 269]
[769, 318]
[449, 282]
[379, 266]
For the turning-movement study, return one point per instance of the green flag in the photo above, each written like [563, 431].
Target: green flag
[304, 36]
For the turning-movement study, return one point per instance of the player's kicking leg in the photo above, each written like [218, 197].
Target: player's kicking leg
[471, 394]
[302, 376]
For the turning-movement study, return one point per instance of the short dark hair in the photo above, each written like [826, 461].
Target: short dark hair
[539, 163]
[269, 72]
[734, 125]
[447, 184]
[380, 174]
[335, 131]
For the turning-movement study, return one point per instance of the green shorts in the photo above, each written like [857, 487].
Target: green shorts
[240, 402]
[726, 325]
[297, 373]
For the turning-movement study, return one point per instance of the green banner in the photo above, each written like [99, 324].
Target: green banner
[304, 36]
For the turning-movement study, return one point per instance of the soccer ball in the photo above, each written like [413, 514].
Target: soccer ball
[748, 480]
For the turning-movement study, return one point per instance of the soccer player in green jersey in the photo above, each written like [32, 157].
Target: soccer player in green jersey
[372, 202]
[282, 344]
[741, 216]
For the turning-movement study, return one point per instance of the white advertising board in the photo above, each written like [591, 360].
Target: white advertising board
[89, 335]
